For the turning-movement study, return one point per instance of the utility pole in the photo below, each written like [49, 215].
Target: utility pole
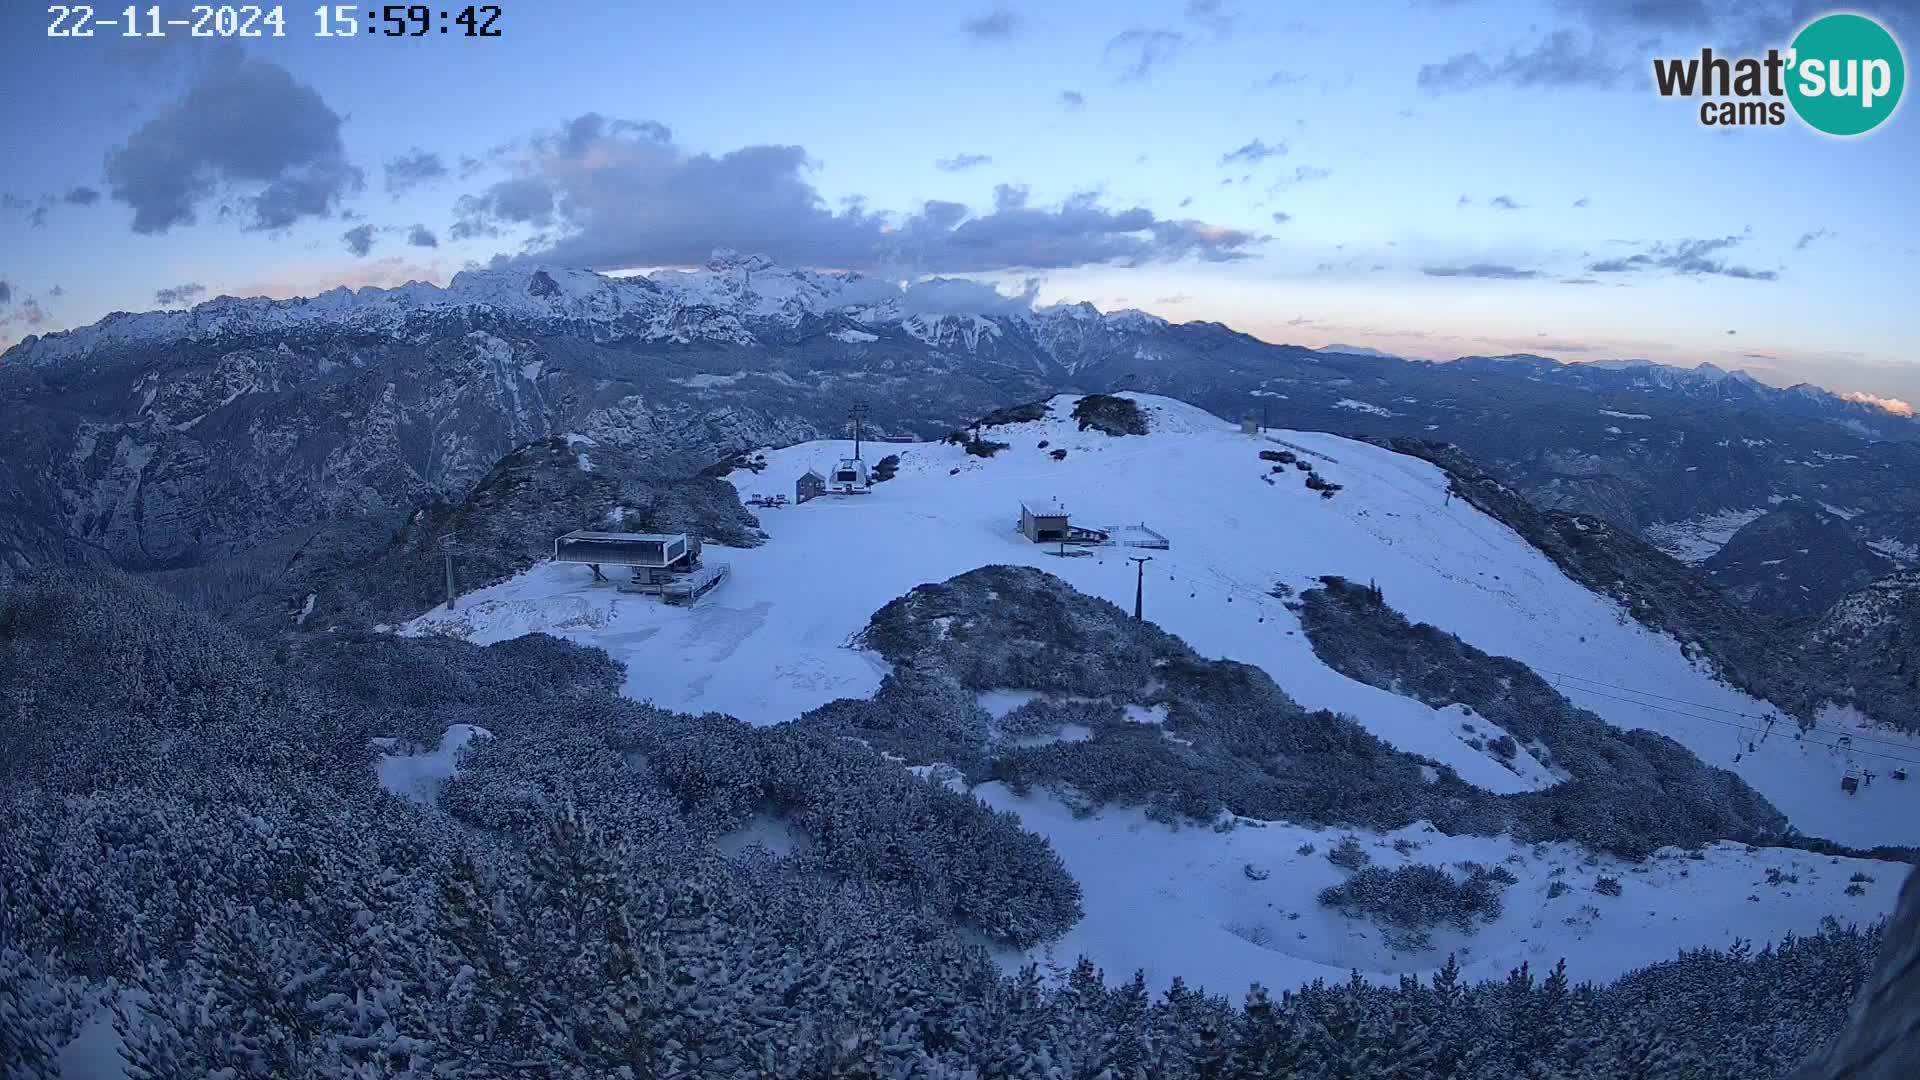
[1139, 579]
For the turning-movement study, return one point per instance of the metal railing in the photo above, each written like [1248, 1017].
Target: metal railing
[1152, 539]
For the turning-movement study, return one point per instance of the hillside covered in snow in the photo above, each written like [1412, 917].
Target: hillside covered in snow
[1256, 526]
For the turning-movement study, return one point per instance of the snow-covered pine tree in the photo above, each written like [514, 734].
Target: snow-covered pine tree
[38, 1013]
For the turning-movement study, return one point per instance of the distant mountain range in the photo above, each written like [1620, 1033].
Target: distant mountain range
[1705, 382]
[1358, 350]
[150, 439]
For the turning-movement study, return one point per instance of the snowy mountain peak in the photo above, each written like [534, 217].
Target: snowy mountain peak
[1079, 311]
[1134, 319]
[724, 259]
[966, 331]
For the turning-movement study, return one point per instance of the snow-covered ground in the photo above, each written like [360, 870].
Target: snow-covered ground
[1183, 902]
[1696, 540]
[419, 776]
[772, 643]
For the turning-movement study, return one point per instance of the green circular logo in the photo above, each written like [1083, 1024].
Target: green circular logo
[1846, 74]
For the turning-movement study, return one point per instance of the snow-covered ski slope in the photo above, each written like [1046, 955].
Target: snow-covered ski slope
[772, 643]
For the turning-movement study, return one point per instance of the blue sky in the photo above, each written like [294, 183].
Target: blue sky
[1450, 171]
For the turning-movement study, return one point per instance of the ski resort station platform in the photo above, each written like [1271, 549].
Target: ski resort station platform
[666, 565]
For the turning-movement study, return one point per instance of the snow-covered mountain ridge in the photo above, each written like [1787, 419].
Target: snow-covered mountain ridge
[721, 302]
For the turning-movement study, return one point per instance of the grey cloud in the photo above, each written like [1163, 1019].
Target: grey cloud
[520, 200]
[1732, 25]
[1212, 16]
[38, 218]
[241, 122]
[1646, 14]
[939, 296]
[1503, 202]
[1139, 52]
[81, 196]
[179, 294]
[962, 162]
[1562, 59]
[421, 236]
[1498, 271]
[359, 239]
[1075, 234]
[1807, 240]
[1281, 217]
[1687, 258]
[640, 200]
[1281, 78]
[1073, 99]
[1582, 203]
[1634, 26]
[583, 134]
[1253, 153]
[958, 296]
[27, 312]
[996, 25]
[413, 168]
[1579, 281]
[6, 292]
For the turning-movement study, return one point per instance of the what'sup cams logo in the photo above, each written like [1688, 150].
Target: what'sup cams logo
[1842, 75]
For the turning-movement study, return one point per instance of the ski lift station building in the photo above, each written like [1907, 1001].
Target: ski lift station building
[655, 551]
[850, 476]
[664, 564]
[1043, 519]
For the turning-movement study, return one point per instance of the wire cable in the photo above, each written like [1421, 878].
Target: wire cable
[1729, 723]
[1896, 744]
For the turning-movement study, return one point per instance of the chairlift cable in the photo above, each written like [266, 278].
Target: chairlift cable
[1714, 708]
[1730, 723]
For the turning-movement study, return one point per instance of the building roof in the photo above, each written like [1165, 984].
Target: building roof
[1044, 506]
[621, 537]
[815, 473]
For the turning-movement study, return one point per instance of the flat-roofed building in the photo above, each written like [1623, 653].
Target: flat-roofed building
[1043, 519]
